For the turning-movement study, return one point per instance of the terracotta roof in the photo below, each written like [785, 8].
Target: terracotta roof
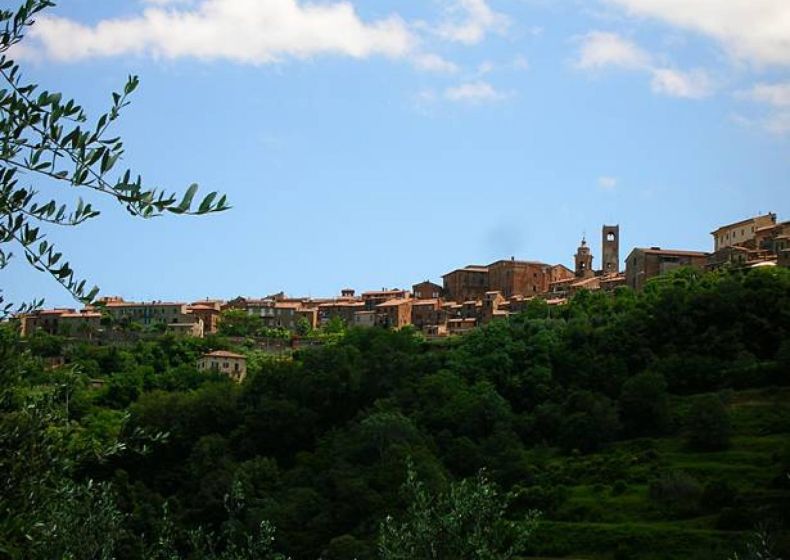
[288, 305]
[394, 302]
[470, 268]
[82, 315]
[53, 311]
[586, 281]
[383, 293]
[539, 263]
[223, 354]
[672, 252]
[141, 304]
[342, 304]
[254, 302]
[423, 302]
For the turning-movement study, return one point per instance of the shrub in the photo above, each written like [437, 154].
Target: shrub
[644, 404]
[733, 519]
[619, 488]
[677, 493]
[717, 494]
[708, 424]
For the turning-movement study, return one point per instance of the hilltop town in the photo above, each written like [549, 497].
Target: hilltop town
[467, 297]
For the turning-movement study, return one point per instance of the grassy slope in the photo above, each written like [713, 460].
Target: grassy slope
[599, 521]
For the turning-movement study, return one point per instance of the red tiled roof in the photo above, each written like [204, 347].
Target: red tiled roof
[394, 302]
[141, 304]
[505, 261]
[423, 302]
[383, 293]
[82, 315]
[673, 252]
[470, 268]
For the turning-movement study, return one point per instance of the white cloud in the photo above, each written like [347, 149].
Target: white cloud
[166, 2]
[778, 123]
[476, 20]
[600, 49]
[777, 95]
[754, 30]
[521, 63]
[693, 85]
[434, 63]
[245, 31]
[776, 119]
[485, 67]
[475, 93]
[607, 183]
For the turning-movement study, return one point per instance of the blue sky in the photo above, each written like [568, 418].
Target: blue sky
[379, 143]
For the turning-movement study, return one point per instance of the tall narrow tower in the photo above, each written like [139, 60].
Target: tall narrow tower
[610, 249]
[584, 261]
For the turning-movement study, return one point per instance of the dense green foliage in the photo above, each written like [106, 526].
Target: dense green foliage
[653, 425]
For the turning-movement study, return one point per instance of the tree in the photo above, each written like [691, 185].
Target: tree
[591, 421]
[644, 404]
[708, 424]
[48, 139]
[464, 523]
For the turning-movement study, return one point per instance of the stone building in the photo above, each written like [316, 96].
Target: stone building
[512, 277]
[427, 290]
[749, 242]
[372, 299]
[342, 309]
[584, 261]
[66, 322]
[470, 282]
[208, 311]
[741, 233]
[365, 319]
[643, 264]
[492, 307]
[221, 361]
[148, 313]
[394, 314]
[610, 249]
[426, 313]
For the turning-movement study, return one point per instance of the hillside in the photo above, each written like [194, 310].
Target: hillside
[641, 425]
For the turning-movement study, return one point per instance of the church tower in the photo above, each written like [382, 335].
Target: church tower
[584, 260]
[610, 249]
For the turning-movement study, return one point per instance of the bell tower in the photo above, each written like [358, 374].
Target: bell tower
[610, 249]
[584, 261]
